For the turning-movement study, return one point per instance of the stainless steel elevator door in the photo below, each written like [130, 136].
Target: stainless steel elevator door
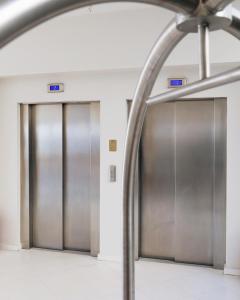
[64, 177]
[157, 183]
[46, 176]
[194, 181]
[77, 165]
[183, 182]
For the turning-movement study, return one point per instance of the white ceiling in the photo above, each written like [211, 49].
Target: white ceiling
[116, 7]
[107, 8]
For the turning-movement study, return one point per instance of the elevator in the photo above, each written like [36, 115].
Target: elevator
[180, 194]
[60, 178]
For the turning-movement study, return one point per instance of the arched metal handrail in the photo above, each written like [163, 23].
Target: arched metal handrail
[167, 41]
[19, 16]
[234, 28]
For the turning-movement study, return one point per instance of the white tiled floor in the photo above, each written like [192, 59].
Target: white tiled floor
[47, 275]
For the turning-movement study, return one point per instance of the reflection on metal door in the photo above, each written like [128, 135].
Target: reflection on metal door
[62, 152]
[157, 181]
[183, 182]
[46, 176]
[77, 163]
[194, 181]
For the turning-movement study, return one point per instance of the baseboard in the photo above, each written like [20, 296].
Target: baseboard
[9, 247]
[231, 271]
[109, 258]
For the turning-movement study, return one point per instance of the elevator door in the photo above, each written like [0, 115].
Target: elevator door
[64, 176]
[179, 206]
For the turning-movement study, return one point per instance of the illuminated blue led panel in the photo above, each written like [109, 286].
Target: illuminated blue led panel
[55, 87]
[176, 82]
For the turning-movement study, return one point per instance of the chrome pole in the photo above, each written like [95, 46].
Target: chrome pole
[170, 37]
[198, 86]
[204, 65]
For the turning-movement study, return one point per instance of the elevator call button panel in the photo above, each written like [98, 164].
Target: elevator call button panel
[112, 145]
[112, 173]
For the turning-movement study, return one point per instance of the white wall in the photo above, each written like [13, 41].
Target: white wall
[112, 89]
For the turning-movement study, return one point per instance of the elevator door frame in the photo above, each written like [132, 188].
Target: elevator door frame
[25, 196]
[219, 189]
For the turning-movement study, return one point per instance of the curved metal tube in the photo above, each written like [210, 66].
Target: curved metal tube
[217, 5]
[234, 28]
[18, 16]
[160, 52]
[197, 86]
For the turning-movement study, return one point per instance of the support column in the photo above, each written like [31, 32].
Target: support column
[204, 65]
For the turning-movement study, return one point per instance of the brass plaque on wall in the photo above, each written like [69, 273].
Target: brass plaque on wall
[112, 145]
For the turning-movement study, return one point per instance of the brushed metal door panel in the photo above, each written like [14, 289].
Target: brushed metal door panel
[46, 179]
[157, 183]
[77, 162]
[194, 181]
